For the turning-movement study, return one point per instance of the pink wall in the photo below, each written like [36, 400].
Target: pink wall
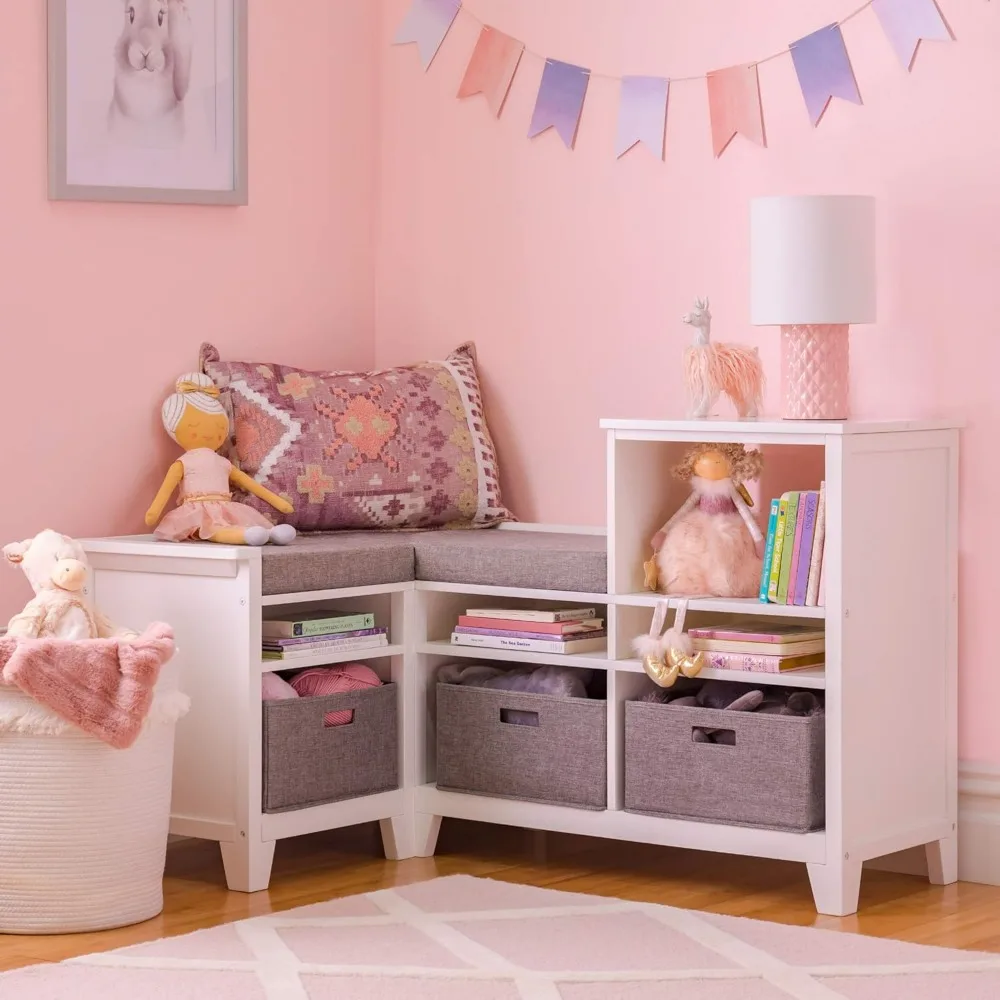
[103, 306]
[571, 270]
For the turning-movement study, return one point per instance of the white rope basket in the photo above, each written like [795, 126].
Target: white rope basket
[83, 827]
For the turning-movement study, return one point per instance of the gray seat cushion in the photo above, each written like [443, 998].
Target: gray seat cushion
[336, 560]
[539, 560]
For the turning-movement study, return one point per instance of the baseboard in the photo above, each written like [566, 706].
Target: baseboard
[978, 830]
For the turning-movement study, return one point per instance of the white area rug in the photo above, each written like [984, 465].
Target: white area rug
[464, 938]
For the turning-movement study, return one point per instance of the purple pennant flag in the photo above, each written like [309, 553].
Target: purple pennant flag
[642, 113]
[907, 22]
[426, 23]
[560, 100]
[824, 70]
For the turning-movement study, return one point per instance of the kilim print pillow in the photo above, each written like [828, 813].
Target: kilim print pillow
[399, 448]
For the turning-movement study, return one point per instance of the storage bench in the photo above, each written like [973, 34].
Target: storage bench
[773, 777]
[560, 758]
[306, 763]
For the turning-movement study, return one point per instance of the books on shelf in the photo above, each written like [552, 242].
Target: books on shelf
[793, 549]
[314, 623]
[768, 649]
[575, 630]
[290, 649]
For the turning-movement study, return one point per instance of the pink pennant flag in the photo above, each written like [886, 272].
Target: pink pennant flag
[560, 100]
[492, 67]
[907, 23]
[824, 70]
[426, 23]
[642, 114]
[734, 106]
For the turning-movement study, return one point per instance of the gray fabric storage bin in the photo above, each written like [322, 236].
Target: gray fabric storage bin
[307, 764]
[774, 777]
[560, 761]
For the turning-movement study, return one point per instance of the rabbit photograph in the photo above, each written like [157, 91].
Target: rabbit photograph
[150, 93]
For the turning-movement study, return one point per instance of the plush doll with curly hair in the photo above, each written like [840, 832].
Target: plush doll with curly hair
[712, 545]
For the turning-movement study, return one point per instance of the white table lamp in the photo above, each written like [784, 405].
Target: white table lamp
[812, 272]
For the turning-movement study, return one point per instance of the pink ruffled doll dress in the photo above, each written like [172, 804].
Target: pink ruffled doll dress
[205, 503]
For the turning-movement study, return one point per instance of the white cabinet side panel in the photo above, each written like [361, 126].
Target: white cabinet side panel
[895, 637]
[211, 630]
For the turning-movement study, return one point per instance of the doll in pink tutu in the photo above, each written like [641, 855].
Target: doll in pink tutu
[196, 420]
[712, 545]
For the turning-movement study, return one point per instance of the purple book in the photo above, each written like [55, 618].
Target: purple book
[547, 636]
[320, 640]
[805, 550]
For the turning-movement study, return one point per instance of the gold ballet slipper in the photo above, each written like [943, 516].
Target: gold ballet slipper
[689, 666]
[663, 674]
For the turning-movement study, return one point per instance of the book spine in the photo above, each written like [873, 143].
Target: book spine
[725, 635]
[786, 550]
[821, 593]
[312, 642]
[544, 636]
[793, 566]
[757, 664]
[517, 614]
[779, 543]
[554, 629]
[527, 645]
[805, 554]
[816, 559]
[342, 646]
[316, 626]
[765, 570]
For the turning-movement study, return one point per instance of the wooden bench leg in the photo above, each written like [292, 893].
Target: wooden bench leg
[412, 836]
[247, 864]
[836, 887]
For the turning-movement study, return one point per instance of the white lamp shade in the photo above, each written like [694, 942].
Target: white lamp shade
[812, 260]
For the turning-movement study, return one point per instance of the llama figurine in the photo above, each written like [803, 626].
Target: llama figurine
[711, 369]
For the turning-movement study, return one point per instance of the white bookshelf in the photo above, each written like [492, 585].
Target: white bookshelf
[890, 678]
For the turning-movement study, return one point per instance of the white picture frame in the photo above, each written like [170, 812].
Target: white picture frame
[147, 101]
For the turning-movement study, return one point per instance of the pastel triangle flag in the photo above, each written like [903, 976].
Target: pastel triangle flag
[426, 23]
[642, 114]
[907, 23]
[734, 106]
[560, 100]
[824, 70]
[492, 67]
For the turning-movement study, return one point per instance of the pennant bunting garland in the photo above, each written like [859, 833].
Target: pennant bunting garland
[642, 114]
[426, 23]
[908, 22]
[492, 67]
[560, 100]
[734, 106]
[821, 62]
[824, 70]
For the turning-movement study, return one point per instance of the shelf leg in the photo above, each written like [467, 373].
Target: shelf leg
[247, 864]
[942, 861]
[410, 836]
[836, 887]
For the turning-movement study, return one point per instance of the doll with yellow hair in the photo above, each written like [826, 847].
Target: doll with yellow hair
[196, 420]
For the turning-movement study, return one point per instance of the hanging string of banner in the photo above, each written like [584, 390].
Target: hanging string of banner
[821, 62]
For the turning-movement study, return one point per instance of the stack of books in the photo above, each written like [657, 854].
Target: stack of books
[793, 553]
[572, 630]
[766, 649]
[321, 632]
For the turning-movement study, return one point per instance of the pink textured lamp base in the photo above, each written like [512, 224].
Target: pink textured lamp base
[815, 365]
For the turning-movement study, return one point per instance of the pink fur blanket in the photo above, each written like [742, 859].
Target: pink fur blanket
[104, 686]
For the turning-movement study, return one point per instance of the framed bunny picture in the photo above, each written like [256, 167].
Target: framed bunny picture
[148, 101]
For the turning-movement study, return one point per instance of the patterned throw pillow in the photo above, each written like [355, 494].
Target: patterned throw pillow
[400, 448]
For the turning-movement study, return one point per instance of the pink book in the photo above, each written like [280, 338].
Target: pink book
[821, 597]
[513, 625]
[777, 635]
[793, 566]
[816, 557]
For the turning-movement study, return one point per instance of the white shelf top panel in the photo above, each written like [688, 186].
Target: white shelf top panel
[330, 658]
[747, 606]
[808, 677]
[789, 428]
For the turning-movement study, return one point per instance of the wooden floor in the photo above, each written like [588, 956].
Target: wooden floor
[324, 866]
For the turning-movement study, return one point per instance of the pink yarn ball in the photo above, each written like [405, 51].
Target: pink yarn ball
[318, 681]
